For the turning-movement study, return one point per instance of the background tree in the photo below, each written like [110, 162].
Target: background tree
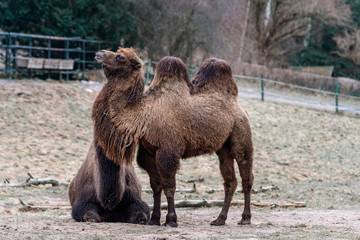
[279, 24]
[349, 45]
[110, 20]
[333, 46]
[278, 32]
[180, 28]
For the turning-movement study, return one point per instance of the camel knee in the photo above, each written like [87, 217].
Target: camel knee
[247, 184]
[230, 185]
[85, 212]
[168, 163]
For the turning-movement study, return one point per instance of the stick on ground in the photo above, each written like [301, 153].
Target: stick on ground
[219, 203]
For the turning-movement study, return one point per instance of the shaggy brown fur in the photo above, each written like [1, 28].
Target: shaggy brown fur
[121, 69]
[103, 189]
[207, 78]
[105, 192]
[176, 119]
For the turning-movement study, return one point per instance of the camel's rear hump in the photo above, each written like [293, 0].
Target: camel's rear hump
[215, 75]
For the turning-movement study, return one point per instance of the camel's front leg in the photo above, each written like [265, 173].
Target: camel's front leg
[147, 161]
[168, 164]
[110, 181]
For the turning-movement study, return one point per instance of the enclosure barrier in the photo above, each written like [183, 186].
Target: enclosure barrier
[49, 54]
[317, 99]
[71, 55]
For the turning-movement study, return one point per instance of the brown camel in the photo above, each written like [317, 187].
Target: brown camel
[176, 119]
[104, 190]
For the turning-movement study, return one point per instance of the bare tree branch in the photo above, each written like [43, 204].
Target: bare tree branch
[349, 45]
[289, 19]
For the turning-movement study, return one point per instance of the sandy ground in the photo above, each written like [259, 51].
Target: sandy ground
[312, 156]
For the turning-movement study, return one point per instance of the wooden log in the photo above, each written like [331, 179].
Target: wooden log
[254, 191]
[30, 208]
[36, 181]
[179, 204]
[194, 180]
[219, 203]
[192, 190]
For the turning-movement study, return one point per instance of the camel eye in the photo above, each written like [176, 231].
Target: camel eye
[120, 58]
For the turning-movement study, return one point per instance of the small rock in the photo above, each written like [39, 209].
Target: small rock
[24, 93]
[42, 152]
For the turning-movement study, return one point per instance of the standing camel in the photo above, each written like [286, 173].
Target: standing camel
[175, 119]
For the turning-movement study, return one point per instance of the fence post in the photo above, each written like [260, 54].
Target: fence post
[147, 72]
[66, 57]
[10, 56]
[337, 96]
[83, 62]
[262, 88]
[30, 55]
[49, 55]
[7, 42]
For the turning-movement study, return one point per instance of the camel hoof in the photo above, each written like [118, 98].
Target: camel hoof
[245, 222]
[91, 216]
[142, 219]
[153, 222]
[170, 224]
[218, 222]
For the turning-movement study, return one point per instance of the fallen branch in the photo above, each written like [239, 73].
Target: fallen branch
[30, 208]
[254, 191]
[219, 203]
[192, 190]
[194, 180]
[265, 189]
[36, 181]
[178, 204]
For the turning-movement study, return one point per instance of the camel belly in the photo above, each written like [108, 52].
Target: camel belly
[207, 141]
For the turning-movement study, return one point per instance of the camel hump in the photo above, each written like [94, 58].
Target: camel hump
[171, 66]
[170, 70]
[214, 75]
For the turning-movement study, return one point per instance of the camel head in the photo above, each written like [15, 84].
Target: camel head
[120, 64]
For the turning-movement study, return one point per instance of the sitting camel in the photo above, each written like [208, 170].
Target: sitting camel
[175, 119]
[105, 190]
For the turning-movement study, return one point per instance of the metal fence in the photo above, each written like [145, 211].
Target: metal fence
[15, 47]
[276, 91]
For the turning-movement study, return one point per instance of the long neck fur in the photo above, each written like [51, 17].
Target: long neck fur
[118, 96]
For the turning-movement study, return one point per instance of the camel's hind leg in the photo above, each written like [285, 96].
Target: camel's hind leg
[242, 150]
[230, 182]
[247, 179]
[147, 161]
[168, 164]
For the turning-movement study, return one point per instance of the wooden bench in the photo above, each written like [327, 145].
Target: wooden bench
[45, 63]
[51, 65]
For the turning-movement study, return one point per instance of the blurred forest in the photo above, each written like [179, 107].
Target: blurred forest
[276, 33]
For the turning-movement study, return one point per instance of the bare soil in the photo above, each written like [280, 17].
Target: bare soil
[312, 156]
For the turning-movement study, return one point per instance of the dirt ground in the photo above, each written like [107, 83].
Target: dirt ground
[312, 156]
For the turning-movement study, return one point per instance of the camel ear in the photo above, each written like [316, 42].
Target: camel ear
[136, 64]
